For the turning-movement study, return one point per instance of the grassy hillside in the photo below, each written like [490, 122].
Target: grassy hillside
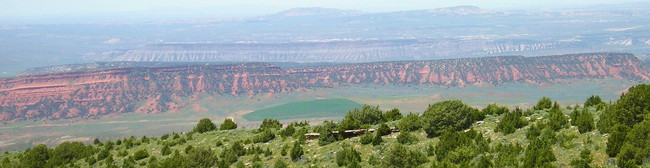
[324, 156]
[447, 134]
[20, 135]
[305, 109]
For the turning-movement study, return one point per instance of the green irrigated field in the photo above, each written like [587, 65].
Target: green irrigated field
[305, 109]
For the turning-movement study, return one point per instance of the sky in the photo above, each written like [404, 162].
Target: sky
[240, 8]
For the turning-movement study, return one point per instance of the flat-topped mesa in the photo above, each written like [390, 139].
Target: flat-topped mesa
[95, 93]
[337, 51]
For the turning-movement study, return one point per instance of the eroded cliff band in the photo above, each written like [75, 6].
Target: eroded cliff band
[102, 92]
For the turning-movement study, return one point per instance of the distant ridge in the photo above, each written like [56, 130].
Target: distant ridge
[314, 11]
[335, 50]
[459, 11]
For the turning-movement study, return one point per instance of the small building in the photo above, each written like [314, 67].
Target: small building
[312, 135]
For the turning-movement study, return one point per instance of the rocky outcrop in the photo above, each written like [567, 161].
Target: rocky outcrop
[160, 89]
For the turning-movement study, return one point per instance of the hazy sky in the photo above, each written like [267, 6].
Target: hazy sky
[229, 8]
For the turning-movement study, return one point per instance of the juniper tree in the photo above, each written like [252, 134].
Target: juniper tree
[205, 125]
[228, 124]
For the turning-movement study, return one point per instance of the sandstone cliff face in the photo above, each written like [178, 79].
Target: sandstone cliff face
[159, 89]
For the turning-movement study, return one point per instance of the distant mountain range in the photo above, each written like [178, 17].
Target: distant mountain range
[155, 89]
[332, 35]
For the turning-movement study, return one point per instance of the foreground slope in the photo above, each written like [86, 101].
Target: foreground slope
[546, 135]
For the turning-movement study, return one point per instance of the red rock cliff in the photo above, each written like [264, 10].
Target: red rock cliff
[92, 94]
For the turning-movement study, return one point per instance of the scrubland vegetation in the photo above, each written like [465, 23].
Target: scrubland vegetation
[447, 134]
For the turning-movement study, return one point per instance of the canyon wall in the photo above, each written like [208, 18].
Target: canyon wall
[159, 89]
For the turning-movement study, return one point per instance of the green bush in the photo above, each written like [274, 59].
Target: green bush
[535, 130]
[166, 150]
[201, 157]
[91, 160]
[411, 122]
[122, 153]
[366, 138]
[296, 152]
[103, 154]
[228, 124]
[176, 160]
[383, 130]
[204, 125]
[392, 115]
[279, 164]
[452, 141]
[367, 115]
[637, 144]
[511, 121]
[152, 161]
[633, 106]
[288, 132]
[450, 114]
[145, 140]
[506, 155]
[128, 143]
[237, 149]
[593, 101]
[176, 136]
[606, 120]
[548, 136]
[109, 161]
[266, 136]
[68, 152]
[270, 124]
[585, 121]
[377, 140]
[348, 157]
[539, 154]
[400, 156]
[283, 150]
[544, 103]
[557, 119]
[140, 154]
[406, 138]
[35, 157]
[188, 148]
[299, 124]
[616, 140]
[494, 109]
[325, 131]
[300, 135]
[228, 157]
